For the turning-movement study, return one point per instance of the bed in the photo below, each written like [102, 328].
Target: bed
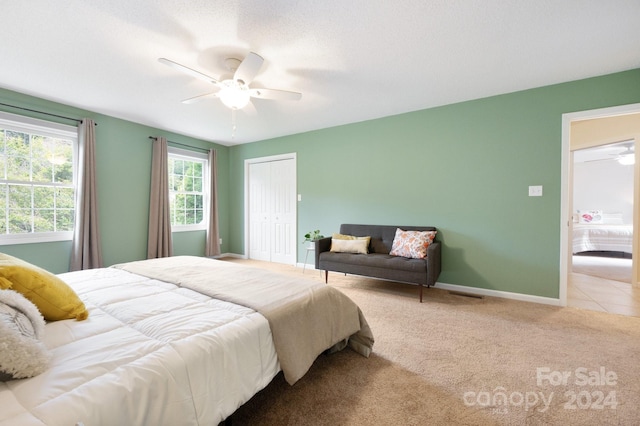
[602, 237]
[179, 341]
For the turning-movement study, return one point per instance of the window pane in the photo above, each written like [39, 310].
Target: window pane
[191, 217]
[42, 171]
[196, 184]
[19, 221]
[43, 220]
[17, 143]
[64, 220]
[64, 198]
[19, 197]
[18, 168]
[43, 197]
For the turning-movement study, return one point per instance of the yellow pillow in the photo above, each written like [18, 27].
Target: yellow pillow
[53, 297]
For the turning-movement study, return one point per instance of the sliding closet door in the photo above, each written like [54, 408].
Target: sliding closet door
[272, 210]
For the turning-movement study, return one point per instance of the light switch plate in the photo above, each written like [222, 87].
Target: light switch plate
[535, 191]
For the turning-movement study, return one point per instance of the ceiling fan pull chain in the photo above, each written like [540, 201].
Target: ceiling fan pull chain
[233, 124]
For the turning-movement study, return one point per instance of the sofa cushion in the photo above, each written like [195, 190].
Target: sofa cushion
[375, 260]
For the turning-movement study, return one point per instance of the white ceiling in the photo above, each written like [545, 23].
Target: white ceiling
[352, 60]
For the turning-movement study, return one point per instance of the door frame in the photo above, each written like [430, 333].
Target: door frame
[566, 190]
[247, 163]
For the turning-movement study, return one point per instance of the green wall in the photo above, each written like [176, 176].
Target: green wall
[123, 155]
[464, 168]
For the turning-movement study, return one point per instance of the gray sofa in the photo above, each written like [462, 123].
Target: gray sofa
[378, 263]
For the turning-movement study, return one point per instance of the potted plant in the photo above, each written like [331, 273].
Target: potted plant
[312, 236]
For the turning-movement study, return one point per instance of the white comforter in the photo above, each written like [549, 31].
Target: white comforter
[150, 353]
[602, 237]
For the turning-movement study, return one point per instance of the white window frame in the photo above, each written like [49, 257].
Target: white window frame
[30, 125]
[184, 154]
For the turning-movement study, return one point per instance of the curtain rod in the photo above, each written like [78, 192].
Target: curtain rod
[181, 144]
[45, 113]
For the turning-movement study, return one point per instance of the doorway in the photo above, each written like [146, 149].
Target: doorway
[588, 129]
[602, 223]
[270, 208]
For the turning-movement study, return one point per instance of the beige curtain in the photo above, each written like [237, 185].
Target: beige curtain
[85, 246]
[213, 234]
[159, 240]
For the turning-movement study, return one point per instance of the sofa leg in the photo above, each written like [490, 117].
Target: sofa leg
[326, 276]
[420, 293]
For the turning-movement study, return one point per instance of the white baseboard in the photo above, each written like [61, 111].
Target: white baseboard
[498, 293]
[459, 288]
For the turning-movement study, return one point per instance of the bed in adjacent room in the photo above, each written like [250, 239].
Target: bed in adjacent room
[178, 341]
[602, 238]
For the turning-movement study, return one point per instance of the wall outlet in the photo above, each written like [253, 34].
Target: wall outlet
[220, 241]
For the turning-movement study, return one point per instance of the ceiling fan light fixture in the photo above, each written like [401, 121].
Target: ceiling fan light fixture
[627, 159]
[234, 95]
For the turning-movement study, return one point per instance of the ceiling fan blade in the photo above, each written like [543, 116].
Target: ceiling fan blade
[275, 94]
[187, 70]
[200, 98]
[248, 68]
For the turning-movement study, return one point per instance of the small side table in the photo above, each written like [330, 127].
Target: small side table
[309, 248]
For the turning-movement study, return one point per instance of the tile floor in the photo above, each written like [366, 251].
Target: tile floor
[598, 294]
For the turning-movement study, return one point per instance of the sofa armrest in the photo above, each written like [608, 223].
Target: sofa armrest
[433, 263]
[322, 245]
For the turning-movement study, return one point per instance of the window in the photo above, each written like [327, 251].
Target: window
[37, 180]
[188, 190]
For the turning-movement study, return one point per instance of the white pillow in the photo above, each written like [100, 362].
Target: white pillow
[349, 246]
[22, 354]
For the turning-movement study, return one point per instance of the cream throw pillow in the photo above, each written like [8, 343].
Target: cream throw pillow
[349, 246]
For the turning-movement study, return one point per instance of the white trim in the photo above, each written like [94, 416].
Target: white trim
[498, 293]
[567, 119]
[35, 237]
[42, 127]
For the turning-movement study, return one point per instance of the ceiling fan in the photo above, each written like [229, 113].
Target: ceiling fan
[233, 90]
[622, 152]
[626, 157]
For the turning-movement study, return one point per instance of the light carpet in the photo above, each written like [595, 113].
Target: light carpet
[455, 360]
[611, 268]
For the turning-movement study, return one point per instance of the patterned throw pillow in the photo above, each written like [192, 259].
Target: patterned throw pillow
[412, 244]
